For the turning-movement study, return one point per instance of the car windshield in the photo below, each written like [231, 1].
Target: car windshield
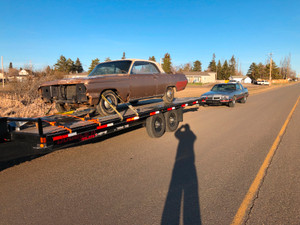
[224, 87]
[116, 67]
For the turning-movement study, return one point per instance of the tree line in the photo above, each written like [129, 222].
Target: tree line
[262, 71]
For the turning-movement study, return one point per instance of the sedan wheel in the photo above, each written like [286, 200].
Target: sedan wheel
[169, 95]
[244, 99]
[104, 108]
[232, 103]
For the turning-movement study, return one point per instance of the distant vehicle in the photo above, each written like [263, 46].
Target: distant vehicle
[262, 82]
[225, 94]
[111, 83]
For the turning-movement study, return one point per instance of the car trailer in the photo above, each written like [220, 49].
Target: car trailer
[44, 134]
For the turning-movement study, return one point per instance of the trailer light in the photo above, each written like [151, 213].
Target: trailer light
[43, 140]
[42, 145]
[154, 113]
[132, 119]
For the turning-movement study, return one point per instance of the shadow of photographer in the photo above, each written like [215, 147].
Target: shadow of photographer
[183, 187]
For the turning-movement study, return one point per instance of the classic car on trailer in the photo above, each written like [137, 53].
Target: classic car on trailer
[110, 83]
[225, 94]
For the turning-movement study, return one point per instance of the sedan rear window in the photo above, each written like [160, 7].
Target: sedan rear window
[117, 67]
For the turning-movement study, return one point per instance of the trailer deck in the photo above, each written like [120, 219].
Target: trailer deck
[45, 134]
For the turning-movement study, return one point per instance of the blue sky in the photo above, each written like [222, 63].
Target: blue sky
[41, 31]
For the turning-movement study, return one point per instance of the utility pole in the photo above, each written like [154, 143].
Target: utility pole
[2, 71]
[270, 77]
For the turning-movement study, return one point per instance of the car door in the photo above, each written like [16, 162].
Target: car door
[239, 93]
[143, 80]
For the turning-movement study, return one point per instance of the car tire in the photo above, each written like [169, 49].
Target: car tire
[232, 103]
[103, 108]
[156, 125]
[244, 99]
[171, 118]
[169, 95]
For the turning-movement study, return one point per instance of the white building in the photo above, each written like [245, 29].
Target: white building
[201, 77]
[241, 79]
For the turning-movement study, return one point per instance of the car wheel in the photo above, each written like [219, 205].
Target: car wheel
[232, 103]
[244, 99]
[169, 95]
[103, 108]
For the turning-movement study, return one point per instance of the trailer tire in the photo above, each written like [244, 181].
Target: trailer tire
[156, 125]
[103, 108]
[171, 118]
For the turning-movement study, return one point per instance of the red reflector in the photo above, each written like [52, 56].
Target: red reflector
[203, 100]
[184, 105]
[169, 109]
[152, 113]
[195, 103]
[60, 137]
[102, 126]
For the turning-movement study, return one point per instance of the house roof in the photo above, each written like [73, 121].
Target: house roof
[198, 73]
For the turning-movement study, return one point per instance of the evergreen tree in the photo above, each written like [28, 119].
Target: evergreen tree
[225, 73]
[166, 65]
[123, 57]
[253, 71]
[232, 66]
[275, 71]
[61, 64]
[78, 66]
[70, 67]
[212, 65]
[94, 63]
[219, 70]
[152, 58]
[197, 66]
[261, 71]
[10, 65]
[107, 59]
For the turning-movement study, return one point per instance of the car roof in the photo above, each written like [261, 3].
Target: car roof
[143, 60]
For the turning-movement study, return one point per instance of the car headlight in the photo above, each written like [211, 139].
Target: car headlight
[225, 97]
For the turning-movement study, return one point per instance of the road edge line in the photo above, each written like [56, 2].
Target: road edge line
[261, 173]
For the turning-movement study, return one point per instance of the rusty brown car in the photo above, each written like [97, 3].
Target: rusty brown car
[118, 81]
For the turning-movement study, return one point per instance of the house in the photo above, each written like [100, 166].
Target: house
[201, 77]
[2, 77]
[23, 74]
[241, 79]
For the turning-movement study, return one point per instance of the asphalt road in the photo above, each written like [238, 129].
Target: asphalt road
[198, 175]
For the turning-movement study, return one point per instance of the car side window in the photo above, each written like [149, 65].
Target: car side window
[238, 87]
[144, 68]
[241, 87]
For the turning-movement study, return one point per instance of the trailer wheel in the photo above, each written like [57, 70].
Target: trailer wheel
[172, 122]
[169, 95]
[156, 125]
[103, 108]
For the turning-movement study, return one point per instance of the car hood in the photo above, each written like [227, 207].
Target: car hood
[217, 93]
[84, 80]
